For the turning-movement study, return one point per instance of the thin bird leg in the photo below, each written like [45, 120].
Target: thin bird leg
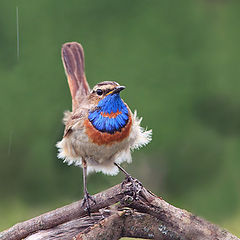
[87, 197]
[136, 185]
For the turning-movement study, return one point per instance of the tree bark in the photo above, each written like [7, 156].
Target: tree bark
[149, 217]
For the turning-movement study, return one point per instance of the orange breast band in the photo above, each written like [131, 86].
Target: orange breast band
[104, 138]
[112, 114]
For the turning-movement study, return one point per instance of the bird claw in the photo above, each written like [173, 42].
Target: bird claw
[86, 202]
[135, 187]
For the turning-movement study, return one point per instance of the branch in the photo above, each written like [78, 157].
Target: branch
[179, 222]
[69, 229]
[112, 224]
[155, 219]
[124, 224]
[61, 215]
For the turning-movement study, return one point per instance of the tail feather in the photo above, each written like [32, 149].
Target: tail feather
[73, 62]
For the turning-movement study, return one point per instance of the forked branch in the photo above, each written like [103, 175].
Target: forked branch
[149, 217]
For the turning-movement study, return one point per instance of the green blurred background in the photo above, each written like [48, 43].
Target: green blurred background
[180, 63]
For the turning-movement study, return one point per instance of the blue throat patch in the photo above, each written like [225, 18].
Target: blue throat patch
[111, 114]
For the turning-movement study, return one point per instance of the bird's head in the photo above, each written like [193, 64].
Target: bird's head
[104, 89]
[110, 113]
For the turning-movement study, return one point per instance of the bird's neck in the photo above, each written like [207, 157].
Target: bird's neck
[111, 114]
[111, 104]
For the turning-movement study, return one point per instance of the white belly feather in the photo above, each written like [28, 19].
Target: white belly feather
[101, 157]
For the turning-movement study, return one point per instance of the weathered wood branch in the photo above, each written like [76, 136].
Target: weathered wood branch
[148, 217]
[124, 223]
[69, 229]
[61, 215]
[112, 225]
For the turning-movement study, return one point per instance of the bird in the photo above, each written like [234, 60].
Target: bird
[101, 131]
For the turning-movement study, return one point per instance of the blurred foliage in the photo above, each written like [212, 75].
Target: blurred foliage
[180, 63]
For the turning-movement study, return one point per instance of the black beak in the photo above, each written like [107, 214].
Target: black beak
[118, 89]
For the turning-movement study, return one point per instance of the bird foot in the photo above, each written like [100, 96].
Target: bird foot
[86, 202]
[135, 188]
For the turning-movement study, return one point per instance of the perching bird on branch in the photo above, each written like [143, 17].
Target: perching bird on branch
[101, 130]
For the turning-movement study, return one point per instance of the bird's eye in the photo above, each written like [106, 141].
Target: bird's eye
[99, 92]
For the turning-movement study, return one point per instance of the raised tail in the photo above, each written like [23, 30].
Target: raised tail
[73, 62]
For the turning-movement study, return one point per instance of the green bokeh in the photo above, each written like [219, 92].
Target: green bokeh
[180, 63]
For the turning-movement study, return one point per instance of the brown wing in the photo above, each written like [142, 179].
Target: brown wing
[73, 62]
[71, 119]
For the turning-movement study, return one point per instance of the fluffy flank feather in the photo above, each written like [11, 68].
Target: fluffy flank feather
[66, 116]
[62, 154]
[141, 136]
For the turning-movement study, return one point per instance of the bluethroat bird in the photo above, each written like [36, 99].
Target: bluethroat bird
[101, 130]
